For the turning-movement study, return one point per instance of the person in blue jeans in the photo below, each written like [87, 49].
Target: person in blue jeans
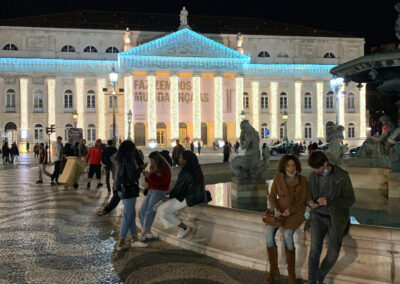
[158, 179]
[127, 184]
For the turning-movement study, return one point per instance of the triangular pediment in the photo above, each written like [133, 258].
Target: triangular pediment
[185, 43]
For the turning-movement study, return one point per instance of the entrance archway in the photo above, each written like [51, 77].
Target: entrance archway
[182, 133]
[161, 134]
[204, 133]
[140, 134]
[10, 130]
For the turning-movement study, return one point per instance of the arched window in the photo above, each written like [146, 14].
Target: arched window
[283, 54]
[282, 130]
[90, 49]
[329, 55]
[307, 131]
[110, 102]
[10, 46]
[246, 101]
[67, 127]
[67, 48]
[91, 101]
[283, 101]
[38, 101]
[68, 103]
[351, 130]
[111, 131]
[264, 102]
[91, 132]
[112, 49]
[264, 130]
[263, 54]
[350, 101]
[38, 132]
[10, 100]
[307, 102]
[329, 101]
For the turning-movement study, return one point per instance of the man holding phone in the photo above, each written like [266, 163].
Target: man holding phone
[330, 195]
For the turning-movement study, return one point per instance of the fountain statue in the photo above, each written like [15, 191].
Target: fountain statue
[183, 19]
[336, 149]
[249, 166]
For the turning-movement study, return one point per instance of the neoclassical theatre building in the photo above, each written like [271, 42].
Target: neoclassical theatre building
[176, 83]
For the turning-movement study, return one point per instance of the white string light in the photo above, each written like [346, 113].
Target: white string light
[218, 107]
[274, 110]
[80, 102]
[128, 104]
[363, 122]
[196, 108]
[298, 128]
[320, 110]
[174, 108]
[51, 101]
[239, 103]
[255, 88]
[151, 106]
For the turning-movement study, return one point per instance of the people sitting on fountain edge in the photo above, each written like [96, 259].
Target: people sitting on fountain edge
[330, 196]
[288, 198]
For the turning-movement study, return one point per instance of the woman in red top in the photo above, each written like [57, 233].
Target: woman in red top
[94, 156]
[158, 179]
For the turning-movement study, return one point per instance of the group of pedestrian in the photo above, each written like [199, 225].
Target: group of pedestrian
[10, 155]
[329, 194]
[198, 147]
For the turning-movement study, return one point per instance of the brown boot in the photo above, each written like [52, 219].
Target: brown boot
[273, 265]
[291, 265]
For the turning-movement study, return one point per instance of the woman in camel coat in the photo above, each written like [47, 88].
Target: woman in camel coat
[288, 197]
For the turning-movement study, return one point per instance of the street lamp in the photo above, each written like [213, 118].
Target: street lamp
[75, 117]
[242, 115]
[129, 124]
[113, 80]
[336, 82]
[285, 118]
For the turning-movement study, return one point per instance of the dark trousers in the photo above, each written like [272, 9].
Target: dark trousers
[56, 172]
[226, 158]
[320, 226]
[113, 202]
[108, 170]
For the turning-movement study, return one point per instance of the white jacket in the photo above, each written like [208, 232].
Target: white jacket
[56, 151]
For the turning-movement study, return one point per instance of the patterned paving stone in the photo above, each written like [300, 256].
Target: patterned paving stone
[52, 235]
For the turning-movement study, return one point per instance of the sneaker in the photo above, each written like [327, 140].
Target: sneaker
[39, 181]
[52, 183]
[124, 246]
[144, 237]
[99, 185]
[183, 232]
[139, 244]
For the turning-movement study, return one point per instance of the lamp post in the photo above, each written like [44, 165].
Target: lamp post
[129, 124]
[336, 82]
[75, 117]
[285, 118]
[113, 76]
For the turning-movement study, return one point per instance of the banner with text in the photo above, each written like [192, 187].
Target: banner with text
[229, 99]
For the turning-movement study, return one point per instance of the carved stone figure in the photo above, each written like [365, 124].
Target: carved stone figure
[249, 166]
[239, 42]
[183, 18]
[127, 39]
[383, 145]
[336, 149]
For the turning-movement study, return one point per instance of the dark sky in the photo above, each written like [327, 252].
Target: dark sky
[374, 20]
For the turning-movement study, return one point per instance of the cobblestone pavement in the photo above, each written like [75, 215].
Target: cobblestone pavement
[52, 235]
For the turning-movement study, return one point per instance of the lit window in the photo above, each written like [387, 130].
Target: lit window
[264, 129]
[264, 101]
[38, 132]
[91, 132]
[307, 101]
[350, 101]
[351, 130]
[110, 102]
[90, 49]
[246, 101]
[329, 100]
[67, 48]
[10, 46]
[283, 101]
[283, 54]
[112, 49]
[263, 54]
[329, 55]
[307, 131]
[91, 101]
[38, 101]
[10, 100]
[282, 131]
[68, 105]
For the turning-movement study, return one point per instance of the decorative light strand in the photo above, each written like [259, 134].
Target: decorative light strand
[274, 109]
[51, 102]
[297, 98]
[151, 106]
[24, 107]
[101, 83]
[218, 107]
[128, 104]
[363, 122]
[80, 102]
[196, 108]
[174, 107]
[239, 103]
[255, 88]
[341, 106]
[320, 110]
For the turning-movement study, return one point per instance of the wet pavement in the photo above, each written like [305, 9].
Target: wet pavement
[52, 235]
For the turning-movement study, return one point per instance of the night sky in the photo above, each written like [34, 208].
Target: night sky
[373, 20]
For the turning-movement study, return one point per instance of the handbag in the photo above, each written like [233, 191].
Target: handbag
[270, 219]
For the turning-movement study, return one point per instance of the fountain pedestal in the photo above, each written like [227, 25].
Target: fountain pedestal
[250, 194]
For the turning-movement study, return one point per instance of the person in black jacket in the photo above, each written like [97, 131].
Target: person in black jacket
[14, 153]
[6, 153]
[188, 191]
[106, 160]
[127, 173]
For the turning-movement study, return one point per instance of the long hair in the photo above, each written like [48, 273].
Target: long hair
[159, 159]
[126, 150]
[192, 165]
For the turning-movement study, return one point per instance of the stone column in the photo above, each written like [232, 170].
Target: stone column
[80, 103]
[255, 103]
[24, 126]
[341, 108]
[297, 115]
[151, 108]
[196, 107]
[128, 104]
[101, 109]
[239, 103]
[274, 109]
[174, 107]
[320, 109]
[51, 104]
[218, 107]
[363, 116]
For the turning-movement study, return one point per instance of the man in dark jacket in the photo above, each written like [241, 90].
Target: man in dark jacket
[106, 160]
[176, 152]
[330, 195]
[226, 152]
